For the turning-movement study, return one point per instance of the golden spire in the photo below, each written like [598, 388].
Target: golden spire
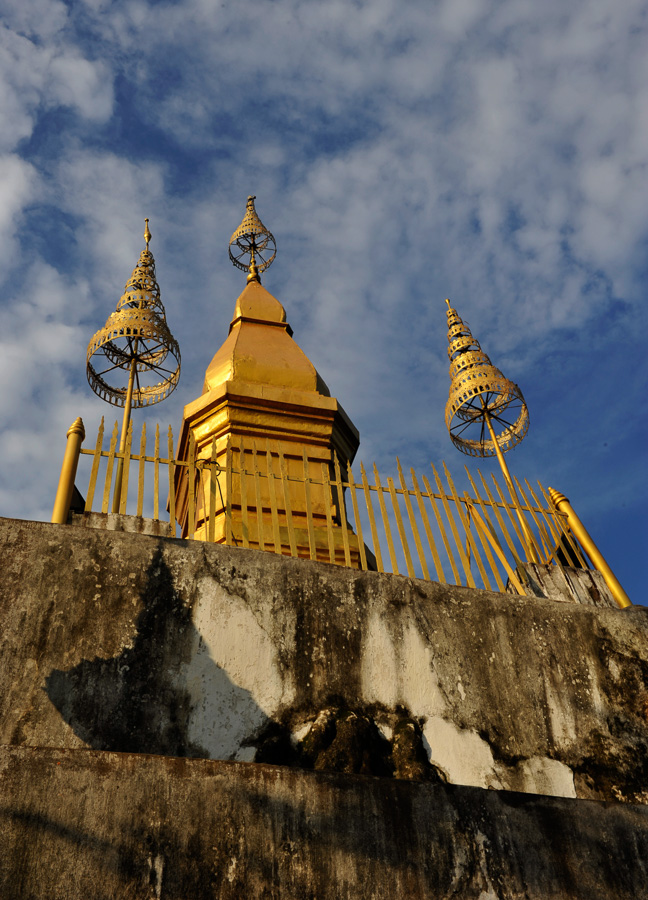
[252, 239]
[486, 414]
[135, 340]
[482, 401]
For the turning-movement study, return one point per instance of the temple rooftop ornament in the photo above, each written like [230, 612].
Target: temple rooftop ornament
[486, 414]
[135, 342]
[264, 400]
[252, 246]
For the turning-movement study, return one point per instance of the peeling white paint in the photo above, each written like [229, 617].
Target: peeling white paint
[233, 677]
[463, 756]
[561, 711]
[541, 775]
[378, 668]
[418, 681]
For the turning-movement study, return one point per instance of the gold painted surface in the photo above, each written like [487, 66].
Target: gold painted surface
[562, 503]
[293, 498]
[252, 246]
[136, 344]
[261, 391]
[479, 393]
[75, 437]
[486, 414]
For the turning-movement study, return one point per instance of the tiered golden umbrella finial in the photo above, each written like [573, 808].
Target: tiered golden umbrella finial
[135, 340]
[486, 414]
[252, 246]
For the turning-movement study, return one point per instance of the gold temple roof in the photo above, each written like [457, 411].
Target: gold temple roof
[260, 350]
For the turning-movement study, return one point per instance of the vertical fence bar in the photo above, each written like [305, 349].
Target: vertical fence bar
[276, 537]
[547, 535]
[466, 525]
[126, 460]
[358, 524]
[191, 487]
[201, 500]
[96, 459]
[109, 469]
[290, 525]
[428, 530]
[372, 520]
[172, 497]
[343, 515]
[487, 535]
[213, 476]
[412, 521]
[309, 509]
[401, 529]
[140, 474]
[547, 530]
[462, 555]
[514, 521]
[245, 524]
[329, 514]
[442, 531]
[156, 474]
[385, 519]
[228, 493]
[500, 521]
[491, 533]
[540, 550]
[257, 493]
[484, 538]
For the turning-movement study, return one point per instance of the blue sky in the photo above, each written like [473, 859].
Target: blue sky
[401, 152]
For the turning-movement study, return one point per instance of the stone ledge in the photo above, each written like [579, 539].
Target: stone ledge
[79, 824]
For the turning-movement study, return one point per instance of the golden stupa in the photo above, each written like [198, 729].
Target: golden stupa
[264, 399]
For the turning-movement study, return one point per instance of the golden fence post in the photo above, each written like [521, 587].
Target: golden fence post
[372, 520]
[562, 504]
[245, 527]
[358, 524]
[342, 509]
[140, 478]
[309, 508]
[191, 486]
[329, 514]
[287, 502]
[75, 436]
[428, 531]
[172, 496]
[95, 467]
[412, 521]
[401, 529]
[123, 487]
[211, 526]
[383, 509]
[272, 491]
[109, 468]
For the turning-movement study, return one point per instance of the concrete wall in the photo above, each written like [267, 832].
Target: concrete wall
[126, 642]
[76, 825]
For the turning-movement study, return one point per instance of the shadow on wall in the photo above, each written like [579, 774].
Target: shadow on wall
[135, 702]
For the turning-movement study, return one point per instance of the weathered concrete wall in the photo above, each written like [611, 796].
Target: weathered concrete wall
[80, 824]
[139, 644]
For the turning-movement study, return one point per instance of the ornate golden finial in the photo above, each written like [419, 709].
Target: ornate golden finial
[486, 414]
[481, 398]
[135, 340]
[147, 233]
[252, 239]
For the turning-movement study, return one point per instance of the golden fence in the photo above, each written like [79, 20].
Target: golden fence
[261, 496]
